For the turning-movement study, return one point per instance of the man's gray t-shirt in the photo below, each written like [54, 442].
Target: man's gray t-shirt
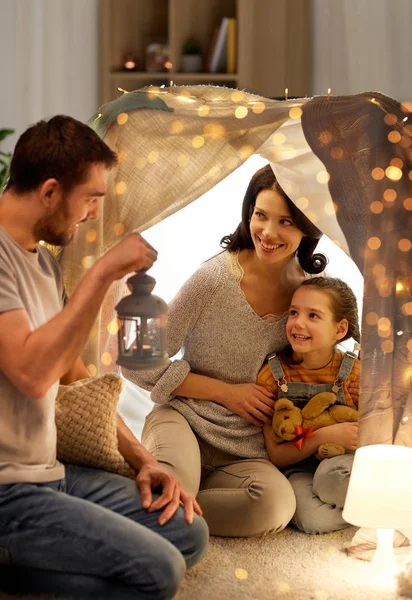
[30, 281]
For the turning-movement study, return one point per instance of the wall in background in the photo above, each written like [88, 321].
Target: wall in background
[362, 45]
[49, 54]
[49, 61]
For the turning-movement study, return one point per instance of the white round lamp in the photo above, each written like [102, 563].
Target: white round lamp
[380, 496]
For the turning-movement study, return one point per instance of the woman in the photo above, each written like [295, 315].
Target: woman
[207, 429]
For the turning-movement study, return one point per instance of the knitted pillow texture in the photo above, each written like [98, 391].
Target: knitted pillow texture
[86, 420]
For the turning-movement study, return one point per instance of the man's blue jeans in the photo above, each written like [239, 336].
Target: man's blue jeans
[87, 536]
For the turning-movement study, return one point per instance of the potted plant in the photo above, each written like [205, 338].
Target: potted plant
[5, 158]
[191, 56]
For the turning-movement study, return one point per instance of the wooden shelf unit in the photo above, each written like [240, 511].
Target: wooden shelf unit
[273, 43]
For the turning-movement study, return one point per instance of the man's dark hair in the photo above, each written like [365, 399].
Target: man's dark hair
[61, 148]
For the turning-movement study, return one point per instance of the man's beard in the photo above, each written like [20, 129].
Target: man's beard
[53, 228]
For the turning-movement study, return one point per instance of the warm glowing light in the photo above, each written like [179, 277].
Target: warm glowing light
[120, 188]
[387, 346]
[186, 99]
[397, 162]
[237, 96]
[409, 345]
[118, 229]
[198, 141]
[329, 91]
[376, 207]
[384, 323]
[88, 261]
[378, 173]
[177, 126]
[390, 195]
[394, 137]
[114, 326]
[325, 137]
[407, 308]
[393, 173]
[246, 151]
[122, 118]
[302, 203]
[404, 245]
[92, 370]
[374, 243]
[283, 587]
[121, 156]
[390, 119]
[129, 64]
[203, 111]
[278, 139]
[241, 112]
[183, 160]
[330, 208]
[372, 318]
[215, 130]
[286, 93]
[241, 573]
[295, 113]
[107, 358]
[322, 177]
[214, 172]
[385, 291]
[399, 333]
[399, 286]
[168, 65]
[154, 90]
[407, 204]
[259, 107]
[91, 235]
[122, 90]
[153, 157]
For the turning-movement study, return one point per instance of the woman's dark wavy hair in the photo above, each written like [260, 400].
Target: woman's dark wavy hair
[264, 179]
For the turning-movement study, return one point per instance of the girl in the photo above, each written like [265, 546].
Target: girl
[323, 312]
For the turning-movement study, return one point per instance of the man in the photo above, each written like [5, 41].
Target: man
[70, 530]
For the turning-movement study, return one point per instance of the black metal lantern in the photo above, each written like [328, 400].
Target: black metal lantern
[143, 317]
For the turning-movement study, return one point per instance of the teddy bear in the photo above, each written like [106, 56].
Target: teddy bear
[293, 425]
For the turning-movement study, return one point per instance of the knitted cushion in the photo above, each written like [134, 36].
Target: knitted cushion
[86, 413]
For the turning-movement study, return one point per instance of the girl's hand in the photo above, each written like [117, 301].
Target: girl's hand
[345, 434]
[252, 402]
[354, 389]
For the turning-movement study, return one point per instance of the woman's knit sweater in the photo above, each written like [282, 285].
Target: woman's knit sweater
[220, 336]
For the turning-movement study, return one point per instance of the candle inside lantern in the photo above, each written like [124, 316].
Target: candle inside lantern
[143, 319]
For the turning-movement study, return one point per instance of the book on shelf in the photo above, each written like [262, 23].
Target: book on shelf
[231, 47]
[222, 50]
[219, 54]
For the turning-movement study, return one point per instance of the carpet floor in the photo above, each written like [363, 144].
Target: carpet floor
[286, 566]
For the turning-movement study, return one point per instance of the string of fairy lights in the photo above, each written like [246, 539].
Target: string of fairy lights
[400, 134]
